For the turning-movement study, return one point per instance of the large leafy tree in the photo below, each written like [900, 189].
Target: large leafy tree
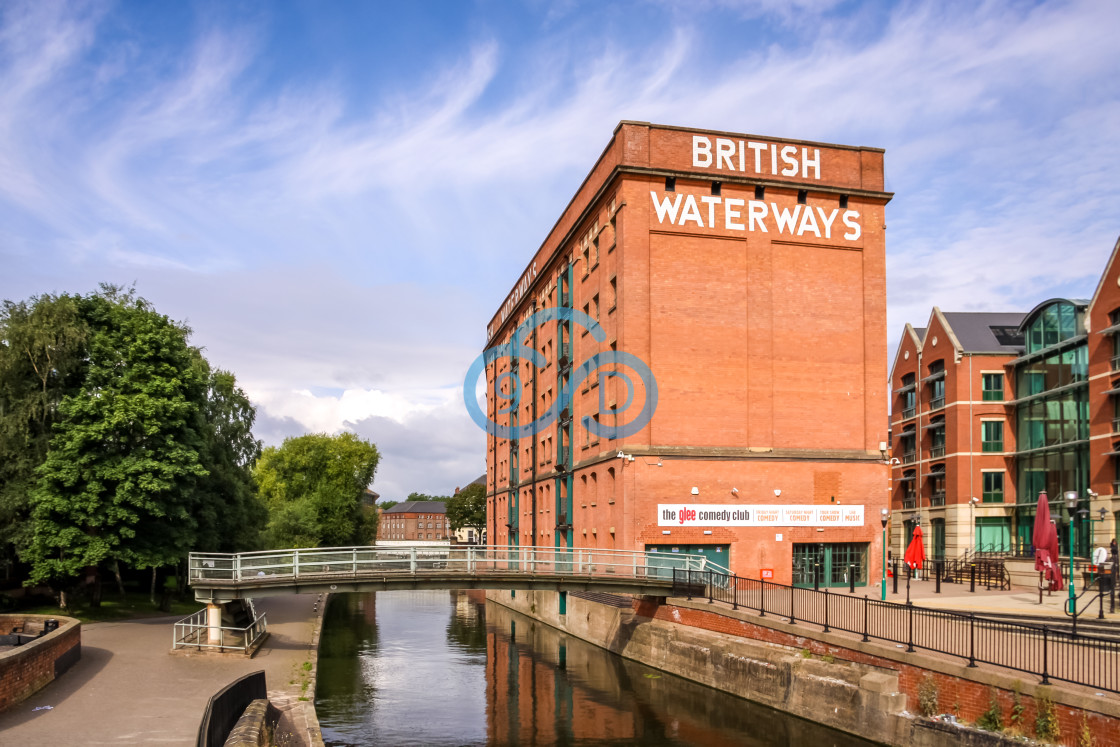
[42, 358]
[141, 451]
[313, 486]
[124, 461]
[467, 508]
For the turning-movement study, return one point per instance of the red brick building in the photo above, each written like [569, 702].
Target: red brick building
[989, 410]
[413, 522]
[748, 274]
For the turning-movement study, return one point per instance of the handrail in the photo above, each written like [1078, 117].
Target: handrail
[318, 563]
[1041, 650]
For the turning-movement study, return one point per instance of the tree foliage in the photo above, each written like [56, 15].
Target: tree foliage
[313, 486]
[467, 508]
[425, 497]
[128, 445]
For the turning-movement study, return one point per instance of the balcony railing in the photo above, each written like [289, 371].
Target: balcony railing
[938, 498]
[937, 403]
[909, 457]
[1116, 363]
[1116, 425]
[910, 501]
[936, 452]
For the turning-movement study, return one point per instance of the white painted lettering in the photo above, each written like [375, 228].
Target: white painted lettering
[731, 215]
[806, 162]
[711, 202]
[785, 219]
[808, 223]
[849, 218]
[741, 151]
[701, 151]
[773, 159]
[827, 221]
[789, 154]
[757, 148]
[691, 212]
[724, 150]
[756, 210]
[666, 208]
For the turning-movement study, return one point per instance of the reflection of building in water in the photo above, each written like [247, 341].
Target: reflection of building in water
[748, 274]
[531, 698]
[547, 688]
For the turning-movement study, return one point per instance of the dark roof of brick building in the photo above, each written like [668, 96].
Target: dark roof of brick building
[418, 507]
[987, 332]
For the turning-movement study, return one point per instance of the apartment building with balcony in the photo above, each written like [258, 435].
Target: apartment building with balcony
[989, 410]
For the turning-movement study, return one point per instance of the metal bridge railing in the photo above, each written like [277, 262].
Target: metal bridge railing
[1036, 649]
[195, 632]
[357, 562]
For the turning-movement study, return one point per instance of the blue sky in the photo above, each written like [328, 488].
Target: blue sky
[337, 196]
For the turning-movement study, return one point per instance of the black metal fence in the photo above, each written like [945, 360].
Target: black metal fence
[1040, 650]
[226, 706]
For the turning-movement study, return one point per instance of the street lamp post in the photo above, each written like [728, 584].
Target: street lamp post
[1071, 504]
[883, 520]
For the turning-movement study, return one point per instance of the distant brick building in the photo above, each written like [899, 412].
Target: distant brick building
[989, 410]
[748, 273]
[414, 522]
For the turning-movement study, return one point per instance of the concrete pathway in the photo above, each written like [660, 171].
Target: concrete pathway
[1016, 601]
[129, 689]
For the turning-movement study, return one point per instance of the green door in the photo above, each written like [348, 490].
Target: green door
[838, 562]
[993, 534]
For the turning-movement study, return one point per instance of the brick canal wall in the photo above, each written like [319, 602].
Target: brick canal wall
[26, 669]
[861, 688]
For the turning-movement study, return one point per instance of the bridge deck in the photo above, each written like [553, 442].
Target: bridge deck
[218, 578]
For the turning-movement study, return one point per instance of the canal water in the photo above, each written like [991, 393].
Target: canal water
[446, 668]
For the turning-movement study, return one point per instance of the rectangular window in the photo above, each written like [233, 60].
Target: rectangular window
[993, 387]
[993, 487]
[991, 435]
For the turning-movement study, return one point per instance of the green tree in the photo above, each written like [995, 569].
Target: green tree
[467, 508]
[313, 486]
[120, 474]
[43, 352]
[425, 497]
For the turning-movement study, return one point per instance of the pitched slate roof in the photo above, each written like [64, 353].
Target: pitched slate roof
[418, 507]
[987, 332]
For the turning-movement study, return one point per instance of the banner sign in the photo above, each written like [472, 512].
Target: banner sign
[749, 515]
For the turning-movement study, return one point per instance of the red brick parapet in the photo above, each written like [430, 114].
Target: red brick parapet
[26, 669]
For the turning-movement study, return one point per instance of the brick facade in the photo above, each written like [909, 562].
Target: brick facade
[764, 328]
[26, 669]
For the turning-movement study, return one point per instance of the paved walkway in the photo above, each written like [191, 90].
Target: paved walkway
[1017, 601]
[128, 688]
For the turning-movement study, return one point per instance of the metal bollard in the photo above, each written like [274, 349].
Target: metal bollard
[894, 574]
[816, 576]
[972, 577]
[851, 579]
[937, 573]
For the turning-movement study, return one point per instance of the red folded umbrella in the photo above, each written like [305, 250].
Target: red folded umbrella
[1045, 538]
[915, 553]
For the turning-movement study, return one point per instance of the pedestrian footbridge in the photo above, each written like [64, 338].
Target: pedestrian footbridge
[219, 578]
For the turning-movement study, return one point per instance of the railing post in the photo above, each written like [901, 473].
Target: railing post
[866, 602]
[470, 560]
[236, 566]
[710, 587]
[762, 598]
[412, 559]
[355, 564]
[792, 595]
[972, 639]
[734, 581]
[910, 634]
[295, 564]
[1045, 655]
[687, 582]
[826, 609]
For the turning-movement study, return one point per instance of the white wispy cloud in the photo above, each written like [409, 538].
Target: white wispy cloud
[342, 255]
